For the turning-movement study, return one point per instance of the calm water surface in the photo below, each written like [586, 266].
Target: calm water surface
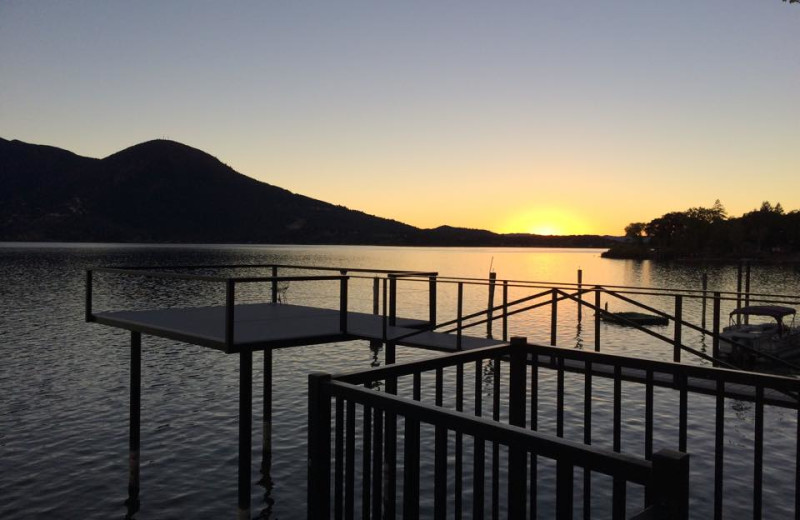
[64, 383]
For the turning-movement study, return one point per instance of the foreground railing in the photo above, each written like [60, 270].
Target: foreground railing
[422, 459]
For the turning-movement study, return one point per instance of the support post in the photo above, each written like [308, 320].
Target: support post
[739, 292]
[505, 310]
[671, 484]
[597, 311]
[392, 300]
[715, 329]
[459, 313]
[343, 304]
[517, 461]
[134, 423]
[580, 295]
[676, 353]
[705, 296]
[230, 301]
[319, 446]
[554, 317]
[375, 344]
[266, 457]
[747, 290]
[245, 429]
[376, 291]
[432, 301]
[274, 284]
[88, 311]
[385, 313]
[490, 306]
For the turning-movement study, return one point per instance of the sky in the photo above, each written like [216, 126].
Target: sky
[547, 117]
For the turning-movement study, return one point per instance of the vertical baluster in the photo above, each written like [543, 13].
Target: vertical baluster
[620, 485]
[683, 412]
[459, 442]
[338, 471]
[478, 460]
[440, 457]
[534, 414]
[377, 466]
[411, 469]
[587, 437]
[516, 417]
[495, 446]
[460, 310]
[349, 463]
[366, 466]
[564, 484]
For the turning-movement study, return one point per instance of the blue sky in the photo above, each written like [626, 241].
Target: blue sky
[511, 116]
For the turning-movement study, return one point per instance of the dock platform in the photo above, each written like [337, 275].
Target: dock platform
[259, 326]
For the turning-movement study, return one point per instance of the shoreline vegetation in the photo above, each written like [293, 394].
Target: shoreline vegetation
[767, 235]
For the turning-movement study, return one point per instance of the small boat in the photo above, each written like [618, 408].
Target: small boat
[633, 318]
[738, 340]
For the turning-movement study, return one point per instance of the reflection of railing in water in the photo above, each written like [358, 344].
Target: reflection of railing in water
[387, 420]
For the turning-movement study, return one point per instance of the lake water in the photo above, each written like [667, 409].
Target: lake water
[64, 383]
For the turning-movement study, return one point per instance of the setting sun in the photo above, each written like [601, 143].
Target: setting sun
[546, 221]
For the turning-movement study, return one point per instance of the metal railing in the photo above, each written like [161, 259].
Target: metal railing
[389, 483]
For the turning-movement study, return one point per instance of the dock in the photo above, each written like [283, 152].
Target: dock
[240, 326]
[259, 326]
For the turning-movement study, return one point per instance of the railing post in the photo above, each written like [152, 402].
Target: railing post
[459, 312]
[739, 291]
[385, 316]
[580, 295]
[554, 317]
[432, 300]
[747, 290]
[671, 484]
[597, 312]
[343, 303]
[230, 300]
[376, 291]
[715, 330]
[705, 295]
[676, 354]
[505, 310]
[490, 305]
[517, 461]
[274, 284]
[319, 446]
[392, 300]
[88, 311]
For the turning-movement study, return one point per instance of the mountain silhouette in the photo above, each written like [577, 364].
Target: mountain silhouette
[166, 192]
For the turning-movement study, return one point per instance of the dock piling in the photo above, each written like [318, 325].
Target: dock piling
[266, 460]
[245, 428]
[135, 422]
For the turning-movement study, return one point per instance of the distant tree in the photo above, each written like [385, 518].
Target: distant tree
[635, 231]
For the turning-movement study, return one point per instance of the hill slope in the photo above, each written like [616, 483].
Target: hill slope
[163, 191]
